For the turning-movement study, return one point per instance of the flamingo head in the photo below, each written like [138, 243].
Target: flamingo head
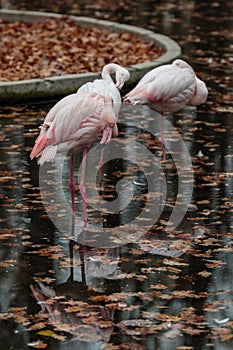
[122, 75]
[181, 64]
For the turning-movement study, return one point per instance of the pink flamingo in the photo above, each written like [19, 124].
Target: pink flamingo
[168, 88]
[72, 125]
[107, 87]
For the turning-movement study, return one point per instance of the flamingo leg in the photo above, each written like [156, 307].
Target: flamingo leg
[82, 184]
[71, 184]
[162, 137]
[101, 166]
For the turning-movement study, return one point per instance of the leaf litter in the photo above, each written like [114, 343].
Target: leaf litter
[57, 47]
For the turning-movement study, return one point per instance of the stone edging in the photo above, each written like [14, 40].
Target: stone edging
[19, 91]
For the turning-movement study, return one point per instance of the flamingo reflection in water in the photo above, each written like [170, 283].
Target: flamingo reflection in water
[74, 313]
[70, 306]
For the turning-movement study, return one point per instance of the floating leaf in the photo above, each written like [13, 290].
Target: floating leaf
[46, 333]
[38, 344]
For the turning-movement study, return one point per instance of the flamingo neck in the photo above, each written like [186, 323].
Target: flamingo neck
[107, 70]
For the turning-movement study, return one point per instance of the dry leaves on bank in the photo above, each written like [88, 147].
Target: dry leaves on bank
[57, 47]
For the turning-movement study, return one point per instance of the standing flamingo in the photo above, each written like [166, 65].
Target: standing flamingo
[168, 88]
[72, 125]
[108, 88]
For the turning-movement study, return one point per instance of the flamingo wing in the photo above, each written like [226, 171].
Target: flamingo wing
[53, 122]
[200, 94]
[48, 125]
[105, 87]
[162, 84]
[78, 120]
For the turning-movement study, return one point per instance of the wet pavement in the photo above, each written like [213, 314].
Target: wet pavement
[145, 283]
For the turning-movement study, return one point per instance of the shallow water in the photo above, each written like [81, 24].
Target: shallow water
[133, 282]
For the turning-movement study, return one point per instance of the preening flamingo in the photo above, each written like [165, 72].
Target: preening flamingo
[108, 88]
[72, 125]
[168, 88]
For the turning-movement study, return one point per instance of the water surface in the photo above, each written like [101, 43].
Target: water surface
[159, 290]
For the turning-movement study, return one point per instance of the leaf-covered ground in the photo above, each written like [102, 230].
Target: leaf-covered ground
[58, 47]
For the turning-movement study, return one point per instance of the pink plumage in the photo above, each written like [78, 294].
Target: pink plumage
[73, 123]
[77, 120]
[169, 88]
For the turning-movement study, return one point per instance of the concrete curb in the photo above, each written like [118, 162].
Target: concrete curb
[46, 88]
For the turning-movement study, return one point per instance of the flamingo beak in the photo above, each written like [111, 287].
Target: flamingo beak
[127, 101]
[106, 137]
[119, 84]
